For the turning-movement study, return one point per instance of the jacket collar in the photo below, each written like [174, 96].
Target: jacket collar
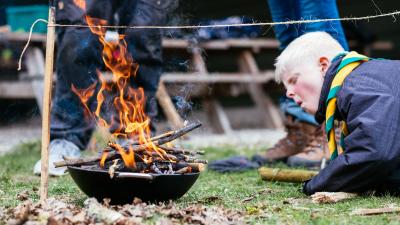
[330, 74]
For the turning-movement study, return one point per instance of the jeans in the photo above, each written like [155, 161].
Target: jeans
[79, 56]
[285, 10]
[282, 11]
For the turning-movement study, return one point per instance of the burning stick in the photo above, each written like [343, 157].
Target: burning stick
[155, 138]
[174, 135]
[181, 151]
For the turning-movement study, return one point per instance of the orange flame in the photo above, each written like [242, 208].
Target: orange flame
[81, 4]
[129, 103]
[84, 95]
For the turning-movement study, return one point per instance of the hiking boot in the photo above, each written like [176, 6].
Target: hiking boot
[313, 154]
[298, 135]
[58, 148]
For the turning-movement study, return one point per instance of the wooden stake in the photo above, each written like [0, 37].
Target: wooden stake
[48, 81]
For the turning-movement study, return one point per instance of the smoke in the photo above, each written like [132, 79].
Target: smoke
[182, 104]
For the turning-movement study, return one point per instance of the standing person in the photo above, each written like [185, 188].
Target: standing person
[79, 56]
[304, 143]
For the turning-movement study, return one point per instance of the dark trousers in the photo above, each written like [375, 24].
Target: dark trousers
[286, 10]
[79, 56]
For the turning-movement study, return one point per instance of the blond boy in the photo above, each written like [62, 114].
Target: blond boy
[362, 93]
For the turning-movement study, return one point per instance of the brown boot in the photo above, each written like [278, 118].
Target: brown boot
[298, 135]
[313, 154]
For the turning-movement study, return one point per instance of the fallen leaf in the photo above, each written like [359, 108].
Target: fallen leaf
[251, 210]
[23, 196]
[21, 212]
[210, 199]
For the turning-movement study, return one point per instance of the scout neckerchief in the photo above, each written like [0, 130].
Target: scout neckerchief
[349, 62]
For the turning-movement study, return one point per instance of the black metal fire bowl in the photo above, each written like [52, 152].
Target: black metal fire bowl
[125, 186]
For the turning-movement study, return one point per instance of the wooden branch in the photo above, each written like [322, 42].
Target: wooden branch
[331, 197]
[286, 175]
[184, 170]
[194, 160]
[197, 167]
[181, 151]
[177, 134]
[77, 162]
[367, 212]
[155, 138]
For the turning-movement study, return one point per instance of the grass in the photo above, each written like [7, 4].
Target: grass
[285, 205]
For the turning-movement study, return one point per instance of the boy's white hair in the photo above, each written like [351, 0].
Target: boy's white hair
[307, 48]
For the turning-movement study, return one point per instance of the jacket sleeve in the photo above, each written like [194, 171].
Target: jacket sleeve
[372, 148]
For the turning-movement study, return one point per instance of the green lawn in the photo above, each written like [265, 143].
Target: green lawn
[284, 205]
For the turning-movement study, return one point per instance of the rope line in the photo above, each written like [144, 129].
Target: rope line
[290, 22]
[397, 12]
[29, 40]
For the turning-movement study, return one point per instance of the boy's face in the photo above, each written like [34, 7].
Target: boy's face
[304, 83]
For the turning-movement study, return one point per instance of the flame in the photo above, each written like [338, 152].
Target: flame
[103, 158]
[84, 95]
[130, 122]
[81, 4]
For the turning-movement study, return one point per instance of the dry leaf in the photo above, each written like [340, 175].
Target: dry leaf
[23, 196]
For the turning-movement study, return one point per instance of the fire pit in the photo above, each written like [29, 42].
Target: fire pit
[125, 186]
[122, 173]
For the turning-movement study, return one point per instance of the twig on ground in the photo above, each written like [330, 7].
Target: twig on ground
[251, 197]
[377, 211]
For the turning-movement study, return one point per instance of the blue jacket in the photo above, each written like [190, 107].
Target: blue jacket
[369, 102]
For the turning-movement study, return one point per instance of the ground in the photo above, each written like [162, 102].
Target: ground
[273, 203]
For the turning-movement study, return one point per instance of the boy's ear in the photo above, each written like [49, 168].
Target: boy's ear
[324, 64]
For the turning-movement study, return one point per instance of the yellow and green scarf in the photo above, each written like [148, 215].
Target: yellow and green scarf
[349, 62]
